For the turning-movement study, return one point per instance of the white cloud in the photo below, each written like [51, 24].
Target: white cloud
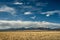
[27, 13]
[48, 13]
[18, 3]
[5, 8]
[4, 24]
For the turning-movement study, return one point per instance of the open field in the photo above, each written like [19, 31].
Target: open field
[30, 35]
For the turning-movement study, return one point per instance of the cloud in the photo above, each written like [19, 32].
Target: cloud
[18, 3]
[27, 13]
[48, 13]
[5, 24]
[33, 17]
[25, 6]
[41, 4]
[8, 9]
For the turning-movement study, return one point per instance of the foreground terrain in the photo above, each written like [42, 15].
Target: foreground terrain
[30, 35]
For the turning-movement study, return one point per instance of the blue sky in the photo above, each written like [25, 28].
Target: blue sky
[41, 11]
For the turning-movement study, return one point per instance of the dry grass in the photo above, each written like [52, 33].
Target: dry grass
[30, 35]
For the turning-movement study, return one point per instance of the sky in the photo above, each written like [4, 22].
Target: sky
[29, 13]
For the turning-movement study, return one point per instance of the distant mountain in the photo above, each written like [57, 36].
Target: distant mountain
[40, 28]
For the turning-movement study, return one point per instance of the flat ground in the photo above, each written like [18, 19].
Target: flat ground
[30, 35]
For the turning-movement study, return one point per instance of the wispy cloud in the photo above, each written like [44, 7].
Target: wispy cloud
[48, 13]
[37, 8]
[8, 9]
[18, 3]
[41, 4]
[33, 17]
[5, 24]
[27, 13]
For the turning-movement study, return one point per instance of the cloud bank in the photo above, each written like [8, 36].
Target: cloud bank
[5, 24]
